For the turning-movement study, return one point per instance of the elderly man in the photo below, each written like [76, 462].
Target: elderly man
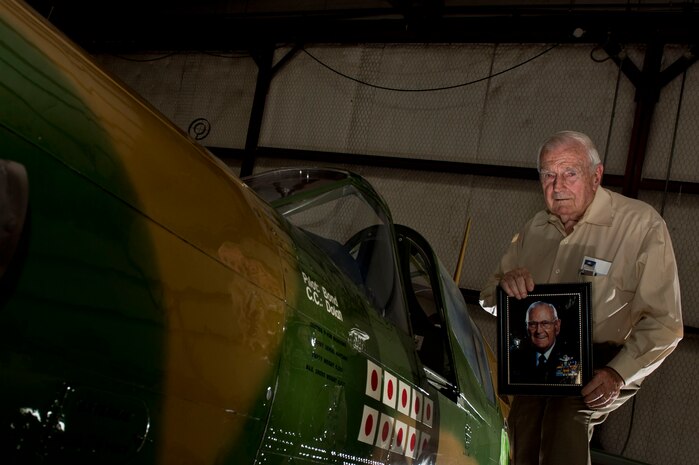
[540, 358]
[620, 245]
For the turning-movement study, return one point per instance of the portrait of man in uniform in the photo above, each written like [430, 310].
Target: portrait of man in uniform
[543, 343]
[543, 357]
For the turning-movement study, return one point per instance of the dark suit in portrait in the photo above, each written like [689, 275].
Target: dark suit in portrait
[561, 366]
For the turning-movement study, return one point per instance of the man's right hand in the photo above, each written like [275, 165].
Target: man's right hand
[517, 283]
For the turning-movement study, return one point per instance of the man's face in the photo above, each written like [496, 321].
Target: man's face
[568, 182]
[542, 327]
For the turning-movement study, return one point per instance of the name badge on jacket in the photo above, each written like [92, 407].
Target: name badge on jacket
[594, 267]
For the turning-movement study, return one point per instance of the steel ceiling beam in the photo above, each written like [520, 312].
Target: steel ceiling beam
[127, 26]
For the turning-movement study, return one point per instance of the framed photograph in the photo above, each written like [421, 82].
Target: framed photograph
[545, 341]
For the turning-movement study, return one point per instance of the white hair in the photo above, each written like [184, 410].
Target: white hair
[540, 303]
[570, 138]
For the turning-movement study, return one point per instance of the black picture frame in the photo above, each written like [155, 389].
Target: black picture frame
[569, 366]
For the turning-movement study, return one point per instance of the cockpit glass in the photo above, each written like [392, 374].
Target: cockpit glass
[346, 219]
[467, 334]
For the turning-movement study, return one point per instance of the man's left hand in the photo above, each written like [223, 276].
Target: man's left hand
[603, 388]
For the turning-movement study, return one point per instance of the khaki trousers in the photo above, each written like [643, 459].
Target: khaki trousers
[555, 430]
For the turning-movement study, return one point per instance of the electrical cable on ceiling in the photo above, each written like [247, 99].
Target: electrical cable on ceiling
[662, 209]
[611, 119]
[628, 432]
[433, 89]
[672, 146]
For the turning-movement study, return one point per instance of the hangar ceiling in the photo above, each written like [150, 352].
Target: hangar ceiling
[258, 26]
[129, 25]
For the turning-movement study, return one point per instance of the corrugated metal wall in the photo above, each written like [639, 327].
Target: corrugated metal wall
[483, 104]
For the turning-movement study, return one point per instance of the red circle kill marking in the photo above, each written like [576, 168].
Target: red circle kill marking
[404, 398]
[424, 443]
[399, 439]
[368, 425]
[417, 405]
[413, 440]
[390, 389]
[428, 411]
[384, 432]
[374, 380]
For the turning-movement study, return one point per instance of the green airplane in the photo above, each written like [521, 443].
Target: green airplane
[156, 309]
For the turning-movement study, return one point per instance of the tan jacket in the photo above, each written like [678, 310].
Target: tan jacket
[636, 302]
